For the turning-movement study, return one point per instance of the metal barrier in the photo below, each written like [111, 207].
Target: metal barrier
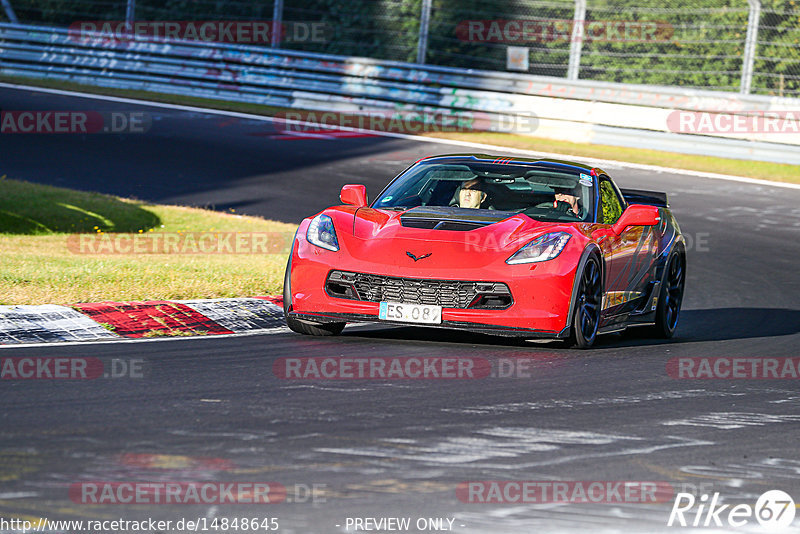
[601, 113]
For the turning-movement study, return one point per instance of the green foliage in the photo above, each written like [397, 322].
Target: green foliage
[612, 210]
[33, 209]
[454, 48]
[385, 29]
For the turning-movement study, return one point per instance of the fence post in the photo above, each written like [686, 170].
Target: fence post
[277, 24]
[576, 40]
[12, 17]
[751, 40]
[424, 21]
[130, 14]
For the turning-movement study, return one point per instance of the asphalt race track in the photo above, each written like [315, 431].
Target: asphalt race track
[212, 409]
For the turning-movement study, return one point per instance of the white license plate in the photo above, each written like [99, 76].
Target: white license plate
[410, 313]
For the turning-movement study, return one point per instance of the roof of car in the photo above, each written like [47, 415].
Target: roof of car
[505, 160]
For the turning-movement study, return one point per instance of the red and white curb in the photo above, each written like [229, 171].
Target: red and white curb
[103, 321]
[48, 323]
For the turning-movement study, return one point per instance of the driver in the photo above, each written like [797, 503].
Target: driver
[471, 194]
[567, 201]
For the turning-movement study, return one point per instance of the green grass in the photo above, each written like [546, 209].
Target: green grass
[30, 209]
[39, 266]
[751, 169]
[763, 170]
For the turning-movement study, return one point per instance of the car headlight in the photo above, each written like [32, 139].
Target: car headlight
[543, 248]
[321, 233]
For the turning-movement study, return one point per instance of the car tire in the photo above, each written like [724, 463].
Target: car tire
[303, 327]
[588, 302]
[670, 297]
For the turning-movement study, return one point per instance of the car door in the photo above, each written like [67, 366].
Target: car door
[629, 255]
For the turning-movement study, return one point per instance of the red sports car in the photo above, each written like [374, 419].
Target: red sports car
[534, 248]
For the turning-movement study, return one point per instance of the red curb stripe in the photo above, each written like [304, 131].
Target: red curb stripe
[135, 319]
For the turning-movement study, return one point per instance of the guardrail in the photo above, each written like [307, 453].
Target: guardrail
[601, 113]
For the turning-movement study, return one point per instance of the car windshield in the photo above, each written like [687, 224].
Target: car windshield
[542, 192]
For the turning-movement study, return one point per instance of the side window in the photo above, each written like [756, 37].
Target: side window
[610, 204]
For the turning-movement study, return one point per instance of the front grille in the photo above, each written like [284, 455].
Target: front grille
[444, 293]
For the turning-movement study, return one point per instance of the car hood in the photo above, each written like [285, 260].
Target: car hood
[459, 229]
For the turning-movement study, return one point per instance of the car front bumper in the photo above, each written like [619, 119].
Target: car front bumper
[541, 292]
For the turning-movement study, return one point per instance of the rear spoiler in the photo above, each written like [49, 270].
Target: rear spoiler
[650, 198]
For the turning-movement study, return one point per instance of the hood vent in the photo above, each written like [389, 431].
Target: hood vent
[451, 218]
[433, 224]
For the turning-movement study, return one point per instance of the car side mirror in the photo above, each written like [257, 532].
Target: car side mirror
[355, 195]
[637, 215]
